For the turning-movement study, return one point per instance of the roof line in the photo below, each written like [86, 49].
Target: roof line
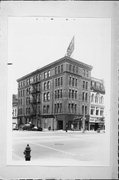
[50, 64]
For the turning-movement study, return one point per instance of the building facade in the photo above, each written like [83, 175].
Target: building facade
[56, 95]
[97, 119]
[14, 110]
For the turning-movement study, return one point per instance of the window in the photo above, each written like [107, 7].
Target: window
[101, 99]
[72, 81]
[72, 93]
[83, 94]
[19, 93]
[55, 94]
[101, 112]
[61, 81]
[58, 69]
[49, 73]
[92, 111]
[48, 108]
[92, 97]
[57, 107]
[58, 95]
[86, 97]
[75, 94]
[69, 80]
[55, 82]
[76, 82]
[96, 99]
[45, 97]
[86, 85]
[45, 85]
[45, 75]
[48, 96]
[76, 69]
[75, 108]
[72, 107]
[58, 81]
[61, 68]
[87, 74]
[85, 109]
[83, 84]
[69, 93]
[73, 69]
[84, 72]
[39, 77]
[44, 109]
[55, 70]
[97, 111]
[69, 108]
[60, 107]
[48, 85]
[70, 67]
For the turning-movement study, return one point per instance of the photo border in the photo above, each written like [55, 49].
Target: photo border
[64, 9]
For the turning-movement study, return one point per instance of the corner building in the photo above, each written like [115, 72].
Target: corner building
[56, 95]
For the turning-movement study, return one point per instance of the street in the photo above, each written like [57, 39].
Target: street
[61, 148]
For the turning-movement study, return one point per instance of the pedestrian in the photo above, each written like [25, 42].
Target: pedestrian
[66, 128]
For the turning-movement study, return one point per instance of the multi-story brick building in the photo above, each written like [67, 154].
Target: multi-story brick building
[97, 104]
[14, 110]
[56, 95]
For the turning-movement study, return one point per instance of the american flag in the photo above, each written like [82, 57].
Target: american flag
[70, 48]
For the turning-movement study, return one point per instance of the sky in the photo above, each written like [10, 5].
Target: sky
[34, 42]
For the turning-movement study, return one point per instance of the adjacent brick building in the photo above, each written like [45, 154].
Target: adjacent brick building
[55, 95]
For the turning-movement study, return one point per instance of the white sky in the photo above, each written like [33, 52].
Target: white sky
[34, 42]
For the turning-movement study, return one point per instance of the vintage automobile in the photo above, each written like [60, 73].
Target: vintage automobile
[28, 127]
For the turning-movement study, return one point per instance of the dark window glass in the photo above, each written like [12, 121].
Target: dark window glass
[58, 69]
[72, 81]
[55, 70]
[61, 81]
[61, 68]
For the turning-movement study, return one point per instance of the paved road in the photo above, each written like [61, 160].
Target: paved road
[59, 147]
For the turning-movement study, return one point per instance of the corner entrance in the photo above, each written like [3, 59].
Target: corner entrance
[60, 125]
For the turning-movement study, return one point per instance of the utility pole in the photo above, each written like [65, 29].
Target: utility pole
[83, 120]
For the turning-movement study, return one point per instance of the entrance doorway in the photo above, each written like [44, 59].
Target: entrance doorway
[60, 125]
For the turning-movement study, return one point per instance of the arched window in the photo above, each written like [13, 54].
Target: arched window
[92, 98]
[101, 99]
[45, 85]
[96, 99]
[48, 96]
[48, 85]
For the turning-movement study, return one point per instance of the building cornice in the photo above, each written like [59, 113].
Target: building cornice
[63, 59]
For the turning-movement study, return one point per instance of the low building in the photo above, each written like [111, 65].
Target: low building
[97, 119]
[14, 111]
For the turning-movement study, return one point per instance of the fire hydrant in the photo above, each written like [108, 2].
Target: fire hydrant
[27, 153]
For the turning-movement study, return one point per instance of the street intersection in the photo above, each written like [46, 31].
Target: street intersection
[61, 148]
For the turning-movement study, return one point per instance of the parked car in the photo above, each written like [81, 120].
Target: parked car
[36, 129]
[28, 127]
[15, 128]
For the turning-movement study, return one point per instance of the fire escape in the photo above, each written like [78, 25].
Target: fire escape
[35, 102]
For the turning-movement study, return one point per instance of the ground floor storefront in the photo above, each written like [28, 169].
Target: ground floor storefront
[96, 123]
[56, 122]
